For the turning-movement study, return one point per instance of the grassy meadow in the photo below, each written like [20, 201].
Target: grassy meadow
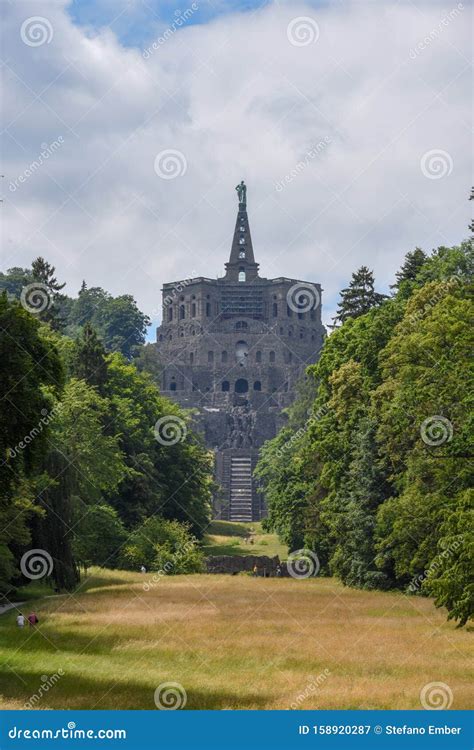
[232, 642]
[228, 538]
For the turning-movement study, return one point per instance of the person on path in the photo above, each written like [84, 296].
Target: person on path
[20, 620]
[255, 571]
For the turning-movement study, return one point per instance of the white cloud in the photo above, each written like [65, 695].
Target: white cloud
[238, 100]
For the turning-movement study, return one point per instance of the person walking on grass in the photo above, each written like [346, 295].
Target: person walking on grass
[255, 571]
[20, 620]
[33, 620]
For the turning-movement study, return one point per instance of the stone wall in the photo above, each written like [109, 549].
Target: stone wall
[233, 564]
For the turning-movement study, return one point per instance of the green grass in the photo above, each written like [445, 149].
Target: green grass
[232, 642]
[228, 538]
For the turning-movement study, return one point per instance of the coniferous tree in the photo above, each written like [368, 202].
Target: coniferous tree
[89, 361]
[414, 260]
[359, 297]
[43, 272]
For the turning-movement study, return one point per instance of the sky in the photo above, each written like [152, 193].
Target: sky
[128, 123]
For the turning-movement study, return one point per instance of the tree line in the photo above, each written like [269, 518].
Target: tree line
[373, 470]
[85, 475]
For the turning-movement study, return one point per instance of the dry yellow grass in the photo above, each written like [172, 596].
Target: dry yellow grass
[233, 642]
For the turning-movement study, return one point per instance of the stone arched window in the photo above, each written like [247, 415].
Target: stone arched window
[193, 310]
[210, 357]
[241, 385]
[225, 385]
[241, 274]
[173, 384]
[182, 312]
[208, 309]
[170, 314]
[224, 357]
[241, 325]
[257, 386]
[258, 357]
[275, 309]
[272, 356]
[241, 351]
[191, 358]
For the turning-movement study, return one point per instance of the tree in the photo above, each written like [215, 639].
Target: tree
[83, 464]
[359, 297]
[89, 362]
[162, 545]
[414, 261]
[99, 536]
[28, 393]
[43, 272]
[169, 478]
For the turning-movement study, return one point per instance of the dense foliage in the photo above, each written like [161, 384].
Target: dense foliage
[83, 467]
[120, 325]
[377, 454]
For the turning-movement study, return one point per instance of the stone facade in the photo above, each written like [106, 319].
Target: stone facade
[233, 348]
